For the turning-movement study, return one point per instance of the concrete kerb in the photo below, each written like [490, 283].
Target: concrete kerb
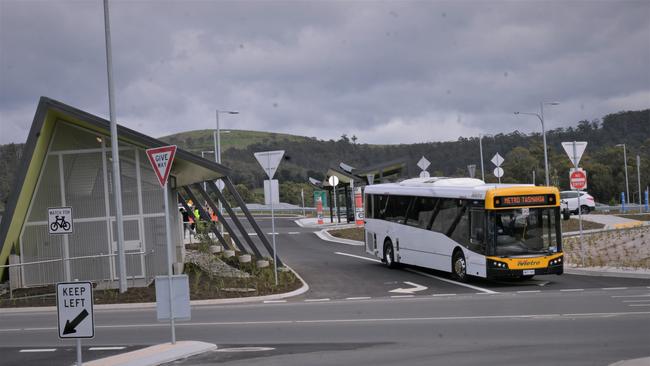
[155, 355]
[635, 362]
[147, 305]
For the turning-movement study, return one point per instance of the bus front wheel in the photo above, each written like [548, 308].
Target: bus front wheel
[459, 267]
[389, 255]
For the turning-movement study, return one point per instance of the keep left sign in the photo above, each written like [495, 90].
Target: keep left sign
[74, 305]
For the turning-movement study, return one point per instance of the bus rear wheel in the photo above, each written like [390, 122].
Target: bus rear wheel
[389, 255]
[459, 267]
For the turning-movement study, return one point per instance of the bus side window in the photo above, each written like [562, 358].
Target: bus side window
[477, 231]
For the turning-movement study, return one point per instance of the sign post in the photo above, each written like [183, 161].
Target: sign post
[161, 160]
[578, 179]
[334, 181]
[269, 160]
[60, 222]
[74, 305]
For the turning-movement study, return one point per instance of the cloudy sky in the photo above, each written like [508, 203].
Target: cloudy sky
[387, 72]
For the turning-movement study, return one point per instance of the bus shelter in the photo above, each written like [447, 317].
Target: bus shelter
[67, 163]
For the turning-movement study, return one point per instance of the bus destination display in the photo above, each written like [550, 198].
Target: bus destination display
[527, 200]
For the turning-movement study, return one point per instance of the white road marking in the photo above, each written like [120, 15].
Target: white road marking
[37, 350]
[274, 301]
[411, 290]
[359, 298]
[529, 292]
[252, 234]
[639, 305]
[648, 295]
[106, 348]
[293, 232]
[636, 300]
[436, 295]
[317, 300]
[613, 288]
[572, 290]
[484, 290]
[271, 233]
[543, 283]
[400, 296]
[367, 320]
[358, 256]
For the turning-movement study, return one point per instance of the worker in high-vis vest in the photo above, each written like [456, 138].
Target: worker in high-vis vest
[213, 216]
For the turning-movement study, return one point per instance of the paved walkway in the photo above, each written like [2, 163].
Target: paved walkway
[612, 221]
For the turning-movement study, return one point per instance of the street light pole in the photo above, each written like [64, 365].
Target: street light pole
[217, 150]
[480, 146]
[541, 119]
[638, 177]
[627, 186]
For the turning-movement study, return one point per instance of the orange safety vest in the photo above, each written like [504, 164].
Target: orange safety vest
[214, 217]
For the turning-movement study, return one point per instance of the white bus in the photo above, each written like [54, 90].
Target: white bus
[466, 227]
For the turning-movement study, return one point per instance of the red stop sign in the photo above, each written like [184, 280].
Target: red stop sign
[578, 179]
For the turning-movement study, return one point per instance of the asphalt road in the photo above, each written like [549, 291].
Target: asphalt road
[350, 316]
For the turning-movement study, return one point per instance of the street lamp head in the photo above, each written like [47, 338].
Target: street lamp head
[552, 103]
[516, 112]
[620, 145]
[233, 112]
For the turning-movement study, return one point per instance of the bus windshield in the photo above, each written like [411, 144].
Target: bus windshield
[525, 231]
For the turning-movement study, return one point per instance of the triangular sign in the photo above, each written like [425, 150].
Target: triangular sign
[161, 159]
[580, 149]
[269, 160]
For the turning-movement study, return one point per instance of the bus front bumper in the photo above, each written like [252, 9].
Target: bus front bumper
[518, 273]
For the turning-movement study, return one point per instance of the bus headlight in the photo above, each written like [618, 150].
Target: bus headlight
[555, 261]
[499, 265]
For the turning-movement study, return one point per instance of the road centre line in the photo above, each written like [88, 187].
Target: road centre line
[293, 232]
[274, 301]
[572, 290]
[359, 298]
[439, 295]
[484, 290]
[117, 348]
[636, 300]
[317, 300]
[252, 234]
[400, 296]
[529, 292]
[613, 288]
[358, 256]
[37, 350]
[619, 296]
[367, 320]
[639, 305]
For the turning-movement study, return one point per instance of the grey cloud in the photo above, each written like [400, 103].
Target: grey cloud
[389, 72]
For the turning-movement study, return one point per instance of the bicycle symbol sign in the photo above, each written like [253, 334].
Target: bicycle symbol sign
[59, 220]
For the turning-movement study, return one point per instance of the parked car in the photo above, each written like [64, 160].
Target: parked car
[569, 203]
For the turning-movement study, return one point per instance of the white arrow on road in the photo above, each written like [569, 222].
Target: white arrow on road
[411, 290]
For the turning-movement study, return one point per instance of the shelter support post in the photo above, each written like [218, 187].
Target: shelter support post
[231, 188]
[205, 216]
[214, 230]
[231, 213]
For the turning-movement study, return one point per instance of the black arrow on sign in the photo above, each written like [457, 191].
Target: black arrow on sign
[71, 325]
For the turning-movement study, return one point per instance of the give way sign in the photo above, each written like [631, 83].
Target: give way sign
[578, 179]
[161, 159]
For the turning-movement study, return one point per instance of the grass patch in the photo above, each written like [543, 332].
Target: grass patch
[573, 225]
[353, 233]
[640, 217]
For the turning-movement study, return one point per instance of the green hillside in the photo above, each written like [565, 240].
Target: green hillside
[203, 140]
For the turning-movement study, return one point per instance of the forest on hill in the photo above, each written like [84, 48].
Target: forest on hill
[310, 157]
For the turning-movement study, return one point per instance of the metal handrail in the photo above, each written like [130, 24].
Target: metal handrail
[67, 259]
